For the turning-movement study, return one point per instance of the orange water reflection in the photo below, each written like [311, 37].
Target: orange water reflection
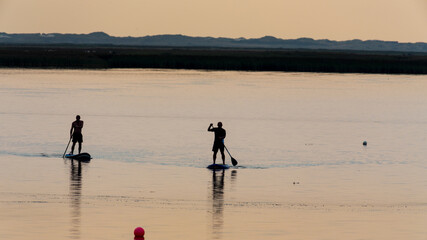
[76, 181]
[217, 196]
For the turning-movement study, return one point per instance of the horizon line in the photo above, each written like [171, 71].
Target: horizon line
[243, 38]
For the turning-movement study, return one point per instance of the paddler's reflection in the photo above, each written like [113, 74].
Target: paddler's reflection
[218, 201]
[75, 197]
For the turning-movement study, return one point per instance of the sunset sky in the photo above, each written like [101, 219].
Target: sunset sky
[395, 20]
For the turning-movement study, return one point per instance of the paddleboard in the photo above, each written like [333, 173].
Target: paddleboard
[84, 157]
[218, 166]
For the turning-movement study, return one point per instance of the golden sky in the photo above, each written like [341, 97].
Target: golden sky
[395, 20]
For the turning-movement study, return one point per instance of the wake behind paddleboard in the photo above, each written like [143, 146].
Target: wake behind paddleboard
[218, 166]
[84, 157]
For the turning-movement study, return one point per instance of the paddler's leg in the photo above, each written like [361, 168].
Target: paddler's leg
[215, 151]
[221, 148]
[72, 147]
[223, 156]
[214, 156]
[80, 147]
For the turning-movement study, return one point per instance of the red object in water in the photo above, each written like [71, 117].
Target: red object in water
[139, 232]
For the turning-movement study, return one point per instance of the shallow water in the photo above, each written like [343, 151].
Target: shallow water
[303, 172]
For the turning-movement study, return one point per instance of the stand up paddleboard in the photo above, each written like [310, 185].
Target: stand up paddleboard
[84, 157]
[218, 166]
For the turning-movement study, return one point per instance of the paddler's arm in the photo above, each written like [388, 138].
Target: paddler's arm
[71, 130]
[210, 128]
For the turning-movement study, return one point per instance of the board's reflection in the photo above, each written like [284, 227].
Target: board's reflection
[75, 198]
[217, 196]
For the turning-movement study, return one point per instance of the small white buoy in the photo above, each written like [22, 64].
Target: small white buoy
[365, 143]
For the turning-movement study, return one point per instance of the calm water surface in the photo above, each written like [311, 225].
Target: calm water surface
[303, 172]
[272, 119]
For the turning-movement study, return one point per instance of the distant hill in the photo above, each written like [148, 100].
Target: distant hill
[267, 42]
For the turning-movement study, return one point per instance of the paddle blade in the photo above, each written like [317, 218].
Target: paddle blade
[234, 161]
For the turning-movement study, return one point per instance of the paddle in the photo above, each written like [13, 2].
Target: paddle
[233, 161]
[67, 148]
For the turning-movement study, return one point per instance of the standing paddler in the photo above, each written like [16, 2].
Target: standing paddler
[76, 134]
[219, 141]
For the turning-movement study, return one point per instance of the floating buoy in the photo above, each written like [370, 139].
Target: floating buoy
[139, 233]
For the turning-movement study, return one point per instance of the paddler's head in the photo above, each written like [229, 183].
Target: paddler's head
[219, 124]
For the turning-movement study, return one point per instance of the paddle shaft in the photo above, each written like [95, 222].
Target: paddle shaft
[66, 148]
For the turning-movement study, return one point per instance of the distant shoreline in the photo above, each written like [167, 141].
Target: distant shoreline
[289, 60]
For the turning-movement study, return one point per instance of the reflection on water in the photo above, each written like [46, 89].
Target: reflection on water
[296, 127]
[218, 201]
[233, 175]
[75, 197]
